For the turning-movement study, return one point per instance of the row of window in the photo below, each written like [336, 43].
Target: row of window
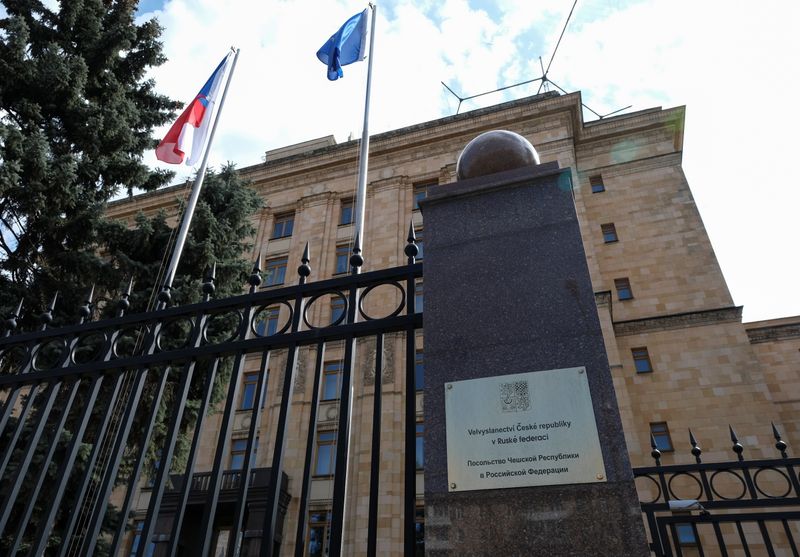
[641, 358]
[325, 461]
[275, 268]
[283, 225]
[317, 541]
[609, 232]
[319, 533]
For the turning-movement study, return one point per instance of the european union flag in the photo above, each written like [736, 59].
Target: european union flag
[346, 46]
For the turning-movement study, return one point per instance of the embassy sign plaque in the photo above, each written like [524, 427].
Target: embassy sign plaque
[521, 430]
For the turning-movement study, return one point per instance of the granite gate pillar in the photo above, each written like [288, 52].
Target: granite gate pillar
[524, 449]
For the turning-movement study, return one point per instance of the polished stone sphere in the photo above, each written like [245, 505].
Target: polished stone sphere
[495, 151]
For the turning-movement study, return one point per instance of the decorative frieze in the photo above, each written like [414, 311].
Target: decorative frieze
[678, 321]
[775, 333]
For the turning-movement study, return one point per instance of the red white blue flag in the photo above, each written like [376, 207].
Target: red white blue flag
[187, 136]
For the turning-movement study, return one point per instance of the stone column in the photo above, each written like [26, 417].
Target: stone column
[507, 292]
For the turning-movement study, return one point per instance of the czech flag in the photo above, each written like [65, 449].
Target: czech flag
[187, 136]
[346, 46]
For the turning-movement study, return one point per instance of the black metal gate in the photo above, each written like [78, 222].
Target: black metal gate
[741, 507]
[82, 405]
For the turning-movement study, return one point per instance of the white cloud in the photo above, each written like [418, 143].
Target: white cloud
[732, 65]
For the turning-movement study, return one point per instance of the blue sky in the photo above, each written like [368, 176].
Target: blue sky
[732, 65]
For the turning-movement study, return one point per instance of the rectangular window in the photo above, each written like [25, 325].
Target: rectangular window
[249, 390]
[337, 309]
[346, 210]
[420, 447]
[342, 259]
[151, 481]
[596, 182]
[275, 271]
[331, 379]
[609, 232]
[623, 286]
[418, 297]
[419, 371]
[660, 433]
[326, 453]
[419, 532]
[641, 360]
[319, 523]
[421, 192]
[266, 321]
[686, 535]
[238, 450]
[137, 539]
[283, 226]
[418, 233]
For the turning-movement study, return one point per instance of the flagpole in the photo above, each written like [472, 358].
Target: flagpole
[361, 194]
[356, 261]
[188, 213]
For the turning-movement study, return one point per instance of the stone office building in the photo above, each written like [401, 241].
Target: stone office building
[679, 354]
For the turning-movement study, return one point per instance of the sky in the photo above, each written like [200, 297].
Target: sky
[733, 64]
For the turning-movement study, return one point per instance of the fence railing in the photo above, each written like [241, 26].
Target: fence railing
[747, 507]
[89, 400]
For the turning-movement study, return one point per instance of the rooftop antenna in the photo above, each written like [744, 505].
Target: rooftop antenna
[544, 80]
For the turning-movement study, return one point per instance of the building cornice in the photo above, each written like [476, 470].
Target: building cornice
[774, 333]
[632, 167]
[701, 318]
[337, 161]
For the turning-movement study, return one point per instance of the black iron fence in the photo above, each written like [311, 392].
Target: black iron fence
[81, 406]
[741, 507]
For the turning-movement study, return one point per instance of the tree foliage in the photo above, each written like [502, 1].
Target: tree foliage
[76, 114]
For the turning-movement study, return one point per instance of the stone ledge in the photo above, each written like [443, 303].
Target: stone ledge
[778, 332]
[678, 321]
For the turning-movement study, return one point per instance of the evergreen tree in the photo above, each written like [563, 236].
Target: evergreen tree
[76, 114]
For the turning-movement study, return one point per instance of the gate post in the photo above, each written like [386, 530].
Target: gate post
[524, 449]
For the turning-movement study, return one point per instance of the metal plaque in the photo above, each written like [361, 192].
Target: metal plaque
[521, 430]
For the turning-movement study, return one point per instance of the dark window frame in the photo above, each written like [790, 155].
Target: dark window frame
[419, 531]
[137, 539]
[419, 370]
[275, 271]
[623, 288]
[641, 360]
[338, 307]
[238, 451]
[347, 212]
[609, 232]
[325, 438]
[331, 375]
[342, 264]
[282, 226]
[419, 446]
[596, 184]
[268, 320]
[684, 540]
[419, 192]
[660, 431]
[316, 522]
[249, 386]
